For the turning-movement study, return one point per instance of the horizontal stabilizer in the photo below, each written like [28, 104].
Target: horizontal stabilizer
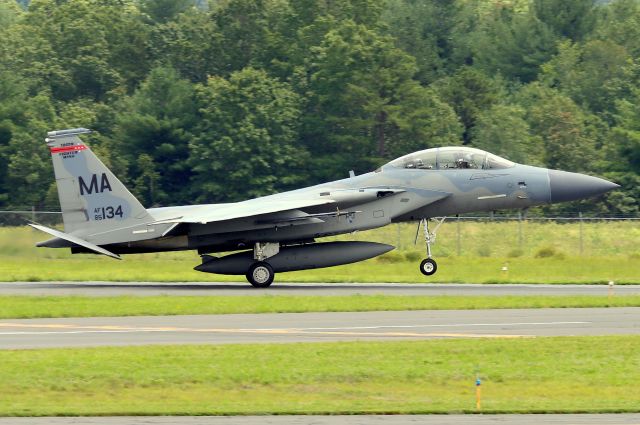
[76, 240]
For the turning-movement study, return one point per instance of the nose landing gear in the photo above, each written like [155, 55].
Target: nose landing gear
[428, 266]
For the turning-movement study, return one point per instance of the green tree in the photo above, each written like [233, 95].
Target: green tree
[161, 11]
[503, 130]
[251, 34]
[513, 44]
[425, 29]
[621, 25]
[83, 48]
[190, 44]
[244, 143]
[306, 23]
[13, 104]
[155, 121]
[361, 98]
[363, 12]
[29, 172]
[351, 83]
[469, 91]
[569, 136]
[146, 184]
[624, 200]
[573, 19]
[595, 73]
[422, 120]
[626, 133]
[10, 11]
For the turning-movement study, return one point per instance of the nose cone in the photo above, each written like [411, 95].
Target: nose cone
[567, 186]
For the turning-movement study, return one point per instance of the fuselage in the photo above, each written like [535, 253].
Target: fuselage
[390, 194]
[456, 192]
[278, 233]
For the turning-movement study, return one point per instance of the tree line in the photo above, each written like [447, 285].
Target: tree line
[195, 101]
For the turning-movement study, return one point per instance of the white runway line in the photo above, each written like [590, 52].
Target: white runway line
[442, 325]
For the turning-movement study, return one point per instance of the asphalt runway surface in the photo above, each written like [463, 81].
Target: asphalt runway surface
[314, 289]
[317, 327]
[313, 327]
[585, 419]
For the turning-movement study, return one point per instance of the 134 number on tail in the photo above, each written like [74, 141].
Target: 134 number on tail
[105, 213]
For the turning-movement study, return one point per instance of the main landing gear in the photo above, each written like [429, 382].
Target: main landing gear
[428, 266]
[260, 273]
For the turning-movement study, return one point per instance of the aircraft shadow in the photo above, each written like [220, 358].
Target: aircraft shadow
[212, 286]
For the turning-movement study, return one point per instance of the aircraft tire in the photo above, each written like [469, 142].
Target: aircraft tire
[260, 274]
[428, 266]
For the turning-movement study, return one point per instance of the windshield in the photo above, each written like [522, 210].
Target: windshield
[451, 157]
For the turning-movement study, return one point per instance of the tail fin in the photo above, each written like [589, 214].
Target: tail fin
[92, 199]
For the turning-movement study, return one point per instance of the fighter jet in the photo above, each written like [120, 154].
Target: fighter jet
[279, 233]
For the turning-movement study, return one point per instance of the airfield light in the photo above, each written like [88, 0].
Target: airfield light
[505, 271]
[611, 283]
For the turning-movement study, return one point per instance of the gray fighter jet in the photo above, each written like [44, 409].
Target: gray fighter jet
[278, 233]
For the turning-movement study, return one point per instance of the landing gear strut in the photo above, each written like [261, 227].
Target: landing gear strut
[260, 273]
[428, 266]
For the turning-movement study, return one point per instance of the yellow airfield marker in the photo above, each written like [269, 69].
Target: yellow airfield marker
[478, 394]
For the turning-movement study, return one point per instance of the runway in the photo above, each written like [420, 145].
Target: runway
[315, 289]
[584, 419]
[317, 327]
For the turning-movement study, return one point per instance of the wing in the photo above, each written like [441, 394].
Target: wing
[279, 209]
[203, 214]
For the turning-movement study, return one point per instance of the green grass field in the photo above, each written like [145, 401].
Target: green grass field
[588, 374]
[165, 268]
[549, 253]
[14, 307]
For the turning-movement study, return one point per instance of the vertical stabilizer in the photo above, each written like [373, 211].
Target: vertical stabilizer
[92, 199]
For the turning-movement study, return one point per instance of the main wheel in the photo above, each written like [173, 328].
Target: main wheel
[428, 267]
[260, 274]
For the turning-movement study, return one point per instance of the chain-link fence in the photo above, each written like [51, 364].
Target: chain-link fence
[533, 236]
[508, 234]
[20, 217]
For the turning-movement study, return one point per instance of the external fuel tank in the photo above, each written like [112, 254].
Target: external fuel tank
[297, 257]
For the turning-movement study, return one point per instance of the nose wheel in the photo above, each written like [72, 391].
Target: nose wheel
[428, 266]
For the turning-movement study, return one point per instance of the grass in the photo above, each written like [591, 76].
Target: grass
[466, 252]
[14, 307]
[567, 374]
[158, 268]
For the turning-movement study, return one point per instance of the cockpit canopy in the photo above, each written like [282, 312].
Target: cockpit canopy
[459, 157]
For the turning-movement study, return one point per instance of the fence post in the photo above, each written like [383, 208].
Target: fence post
[581, 238]
[33, 213]
[520, 229]
[458, 245]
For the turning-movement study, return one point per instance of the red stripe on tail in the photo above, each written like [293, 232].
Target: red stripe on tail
[64, 149]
